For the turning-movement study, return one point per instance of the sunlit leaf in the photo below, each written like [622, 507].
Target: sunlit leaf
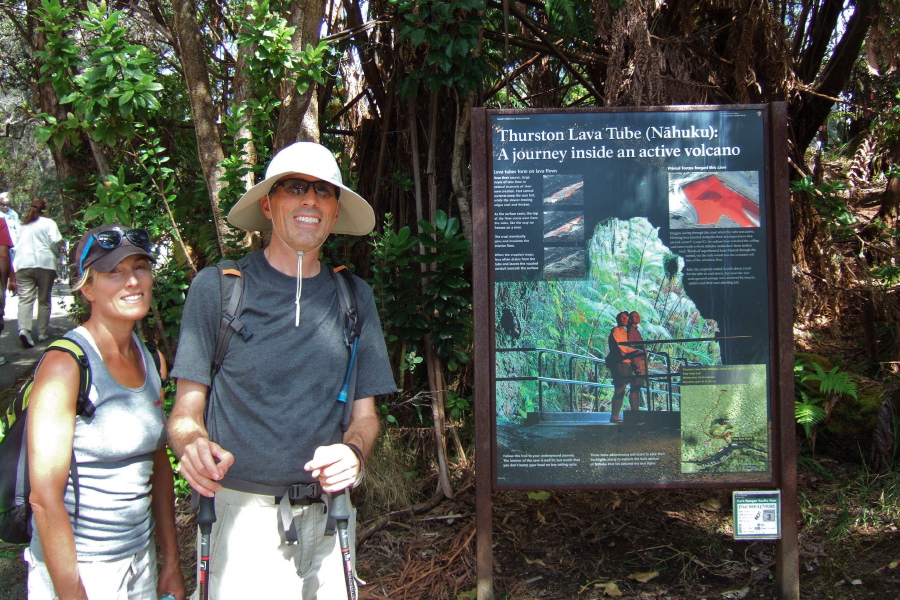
[612, 590]
[644, 577]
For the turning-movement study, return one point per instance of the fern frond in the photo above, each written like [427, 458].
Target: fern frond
[838, 382]
[809, 414]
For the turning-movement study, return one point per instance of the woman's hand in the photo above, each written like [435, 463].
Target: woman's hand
[171, 580]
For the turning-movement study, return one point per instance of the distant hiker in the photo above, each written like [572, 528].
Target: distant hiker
[35, 263]
[8, 214]
[7, 275]
[622, 362]
[264, 432]
[101, 482]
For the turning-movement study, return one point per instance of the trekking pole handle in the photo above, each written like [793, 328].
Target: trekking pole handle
[338, 505]
[206, 515]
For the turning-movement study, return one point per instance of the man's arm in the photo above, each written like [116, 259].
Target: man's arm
[337, 466]
[203, 462]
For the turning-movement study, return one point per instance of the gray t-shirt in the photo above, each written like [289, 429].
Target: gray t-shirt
[114, 450]
[275, 398]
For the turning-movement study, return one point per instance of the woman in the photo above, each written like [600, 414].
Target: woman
[106, 551]
[37, 248]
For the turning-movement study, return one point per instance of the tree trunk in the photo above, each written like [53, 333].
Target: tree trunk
[65, 158]
[458, 174]
[431, 167]
[191, 53]
[807, 114]
[367, 56]
[436, 383]
[890, 200]
[414, 150]
[299, 117]
[241, 93]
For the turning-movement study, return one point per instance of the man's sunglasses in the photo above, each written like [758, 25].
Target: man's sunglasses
[299, 187]
[112, 239]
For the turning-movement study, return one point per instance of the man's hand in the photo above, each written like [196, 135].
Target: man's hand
[336, 467]
[204, 463]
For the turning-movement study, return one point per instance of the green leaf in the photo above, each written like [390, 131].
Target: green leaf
[440, 220]
[416, 37]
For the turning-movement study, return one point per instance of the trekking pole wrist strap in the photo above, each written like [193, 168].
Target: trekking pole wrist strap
[357, 452]
[359, 456]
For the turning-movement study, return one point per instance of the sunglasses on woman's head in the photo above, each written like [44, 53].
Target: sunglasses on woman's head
[112, 239]
[109, 240]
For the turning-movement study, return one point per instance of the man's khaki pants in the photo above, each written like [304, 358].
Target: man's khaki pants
[249, 557]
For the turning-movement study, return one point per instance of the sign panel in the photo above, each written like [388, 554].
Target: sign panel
[757, 515]
[631, 297]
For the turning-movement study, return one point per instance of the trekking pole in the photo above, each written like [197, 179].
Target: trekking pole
[339, 509]
[206, 516]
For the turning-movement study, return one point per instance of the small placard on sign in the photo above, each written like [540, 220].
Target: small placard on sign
[757, 515]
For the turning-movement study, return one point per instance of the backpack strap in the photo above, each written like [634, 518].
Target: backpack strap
[153, 349]
[231, 284]
[343, 281]
[83, 405]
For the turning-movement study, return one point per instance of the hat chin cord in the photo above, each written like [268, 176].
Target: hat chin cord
[300, 255]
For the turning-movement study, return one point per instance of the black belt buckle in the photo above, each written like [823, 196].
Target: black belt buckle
[304, 494]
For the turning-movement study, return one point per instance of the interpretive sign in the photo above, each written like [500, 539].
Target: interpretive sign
[633, 308]
[630, 262]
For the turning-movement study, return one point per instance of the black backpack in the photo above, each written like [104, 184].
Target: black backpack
[15, 487]
[15, 510]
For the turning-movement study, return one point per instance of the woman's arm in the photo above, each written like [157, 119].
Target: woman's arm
[162, 504]
[163, 508]
[51, 431]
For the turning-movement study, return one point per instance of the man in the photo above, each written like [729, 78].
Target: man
[272, 419]
[7, 275]
[621, 362]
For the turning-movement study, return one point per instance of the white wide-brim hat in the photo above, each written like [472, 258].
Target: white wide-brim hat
[355, 216]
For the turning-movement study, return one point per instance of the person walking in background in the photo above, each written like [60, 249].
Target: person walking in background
[7, 275]
[98, 542]
[35, 267]
[10, 216]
